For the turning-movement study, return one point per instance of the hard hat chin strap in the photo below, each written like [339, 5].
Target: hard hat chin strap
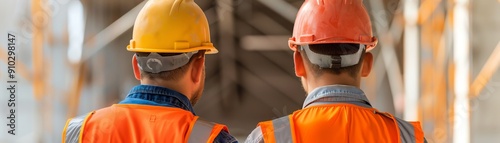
[328, 61]
[155, 63]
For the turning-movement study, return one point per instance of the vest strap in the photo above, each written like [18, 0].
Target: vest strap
[282, 125]
[73, 131]
[410, 132]
[277, 130]
[203, 131]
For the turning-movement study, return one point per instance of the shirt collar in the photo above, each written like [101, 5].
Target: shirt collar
[159, 96]
[336, 93]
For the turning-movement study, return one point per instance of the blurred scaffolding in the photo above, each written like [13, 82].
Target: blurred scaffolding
[437, 62]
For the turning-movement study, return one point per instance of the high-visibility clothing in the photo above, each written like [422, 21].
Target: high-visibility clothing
[132, 123]
[341, 123]
[337, 113]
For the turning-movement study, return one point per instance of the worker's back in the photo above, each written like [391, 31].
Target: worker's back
[337, 113]
[340, 123]
[133, 123]
[331, 43]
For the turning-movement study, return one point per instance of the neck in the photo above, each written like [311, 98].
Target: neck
[173, 85]
[331, 79]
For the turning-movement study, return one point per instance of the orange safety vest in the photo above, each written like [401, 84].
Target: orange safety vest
[133, 123]
[340, 123]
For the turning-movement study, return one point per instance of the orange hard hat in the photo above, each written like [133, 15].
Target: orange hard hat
[332, 21]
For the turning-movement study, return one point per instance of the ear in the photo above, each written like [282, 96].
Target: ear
[300, 70]
[197, 68]
[135, 67]
[367, 65]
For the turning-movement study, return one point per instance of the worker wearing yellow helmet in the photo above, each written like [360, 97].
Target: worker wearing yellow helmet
[170, 40]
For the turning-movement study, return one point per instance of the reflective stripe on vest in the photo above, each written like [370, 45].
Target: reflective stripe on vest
[410, 132]
[73, 130]
[283, 125]
[283, 134]
[202, 132]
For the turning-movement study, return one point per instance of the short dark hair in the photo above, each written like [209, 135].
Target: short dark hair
[334, 50]
[168, 75]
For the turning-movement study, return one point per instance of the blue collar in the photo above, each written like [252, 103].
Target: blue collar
[336, 94]
[157, 96]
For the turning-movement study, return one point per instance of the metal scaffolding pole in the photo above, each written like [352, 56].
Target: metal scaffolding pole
[388, 35]
[461, 49]
[411, 60]
[489, 68]
[110, 33]
[227, 51]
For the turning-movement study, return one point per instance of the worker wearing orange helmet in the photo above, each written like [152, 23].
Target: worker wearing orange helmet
[331, 43]
[170, 40]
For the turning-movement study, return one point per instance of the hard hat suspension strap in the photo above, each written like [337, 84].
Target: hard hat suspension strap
[335, 61]
[155, 63]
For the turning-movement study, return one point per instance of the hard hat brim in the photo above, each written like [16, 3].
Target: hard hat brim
[210, 50]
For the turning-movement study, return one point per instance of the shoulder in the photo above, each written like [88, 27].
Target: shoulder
[201, 131]
[410, 131]
[270, 128]
[77, 122]
[408, 127]
[404, 124]
[255, 136]
[73, 128]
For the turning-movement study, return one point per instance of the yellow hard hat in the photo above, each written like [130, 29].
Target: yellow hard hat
[171, 26]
